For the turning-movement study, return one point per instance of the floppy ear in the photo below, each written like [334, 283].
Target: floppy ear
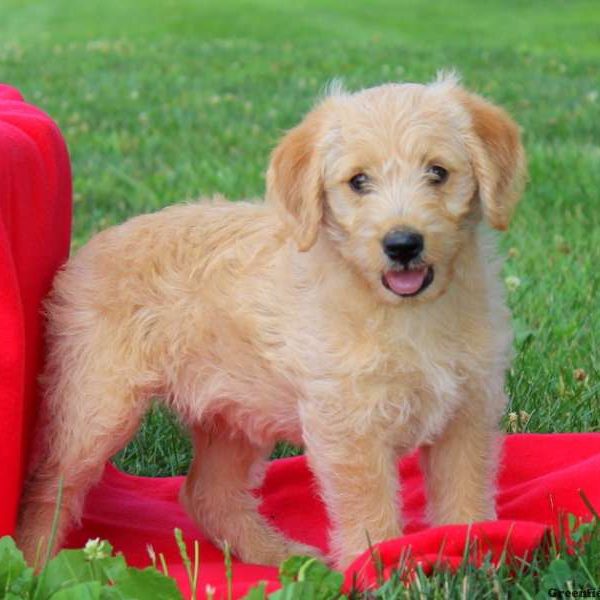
[295, 180]
[498, 159]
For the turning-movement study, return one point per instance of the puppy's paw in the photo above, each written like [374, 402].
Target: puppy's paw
[276, 551]
[298, 549]
[464, 516]
[487, 515]
[343, 561]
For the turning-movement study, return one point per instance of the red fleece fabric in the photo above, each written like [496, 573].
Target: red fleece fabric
[539, 479]
[539, 482]
[35, 227]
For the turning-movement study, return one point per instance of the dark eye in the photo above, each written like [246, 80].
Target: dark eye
[360, 183]
[437, 174]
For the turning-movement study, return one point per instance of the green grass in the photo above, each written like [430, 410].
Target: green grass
[163, 101]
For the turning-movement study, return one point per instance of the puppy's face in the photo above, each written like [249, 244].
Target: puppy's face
[396, 177]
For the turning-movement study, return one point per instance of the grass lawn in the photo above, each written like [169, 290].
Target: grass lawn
[166, 100]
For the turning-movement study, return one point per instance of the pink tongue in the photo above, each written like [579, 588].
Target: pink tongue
[405, 282]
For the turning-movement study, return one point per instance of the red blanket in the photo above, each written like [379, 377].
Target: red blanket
[540, 477]
[539, 481]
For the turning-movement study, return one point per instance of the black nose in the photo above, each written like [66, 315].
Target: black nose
[403, 245]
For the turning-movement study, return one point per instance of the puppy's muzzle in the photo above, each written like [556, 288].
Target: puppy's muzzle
[409, 275]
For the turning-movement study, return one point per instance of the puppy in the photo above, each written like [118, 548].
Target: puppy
[357, 312]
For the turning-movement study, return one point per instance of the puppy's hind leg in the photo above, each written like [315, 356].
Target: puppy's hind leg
[81, 432]
[217, 494]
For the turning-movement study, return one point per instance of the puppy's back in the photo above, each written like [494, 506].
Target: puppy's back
[134, 291]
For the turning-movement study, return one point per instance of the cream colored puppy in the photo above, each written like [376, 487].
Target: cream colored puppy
[358, 312]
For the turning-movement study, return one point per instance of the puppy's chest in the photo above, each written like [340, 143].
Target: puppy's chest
[417, 401]
[410, 381]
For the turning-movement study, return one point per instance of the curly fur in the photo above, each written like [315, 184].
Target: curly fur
[258, 322]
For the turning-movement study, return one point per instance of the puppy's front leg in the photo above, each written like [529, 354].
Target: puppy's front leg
[460, 467]
[356, 469]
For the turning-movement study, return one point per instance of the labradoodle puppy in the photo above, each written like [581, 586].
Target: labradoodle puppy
[358, 312]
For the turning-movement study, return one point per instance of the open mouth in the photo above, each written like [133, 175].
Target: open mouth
[408, 282]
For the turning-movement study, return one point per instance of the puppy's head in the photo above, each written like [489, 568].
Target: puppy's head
[397, 177]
